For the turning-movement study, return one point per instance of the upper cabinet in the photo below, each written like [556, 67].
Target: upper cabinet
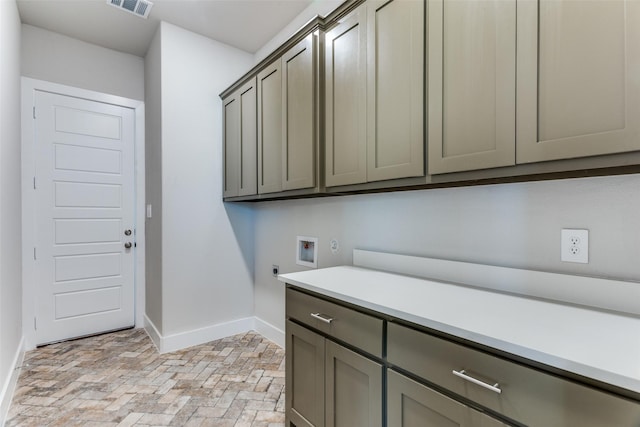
[389, 93]
[395, 89]
[578, 85]
[240, 141]
[299, 114]
[346, 101]
[270, 129]
[374, 88]
[471, 77]
[287, 121]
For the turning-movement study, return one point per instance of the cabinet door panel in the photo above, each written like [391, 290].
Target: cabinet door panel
[231, 137]
[472, 84]
[298, 120]
[270, 129]
[411, 404]
[395, 98]
[353, 389]
[304, 377]
[578, 87]
[248, 181]
[346, 101]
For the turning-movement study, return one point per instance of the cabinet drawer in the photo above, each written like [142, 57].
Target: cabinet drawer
[358, 329]
[527, 395]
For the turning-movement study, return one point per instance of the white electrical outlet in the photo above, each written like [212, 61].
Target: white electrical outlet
[334, 246]
[574, 246]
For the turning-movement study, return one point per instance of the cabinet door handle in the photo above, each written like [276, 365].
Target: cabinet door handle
[322, 317]
[462, 374]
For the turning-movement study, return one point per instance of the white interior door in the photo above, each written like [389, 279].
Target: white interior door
[84, 219]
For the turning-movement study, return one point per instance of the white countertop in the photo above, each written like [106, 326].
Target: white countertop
[601, 345]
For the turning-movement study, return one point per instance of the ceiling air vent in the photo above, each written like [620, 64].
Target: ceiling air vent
[140, 8]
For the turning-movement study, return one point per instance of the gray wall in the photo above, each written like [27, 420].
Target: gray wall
[153, 180]
[321, 8]
[207, 250]
[513, 225]
[10, 197]
[60, 59]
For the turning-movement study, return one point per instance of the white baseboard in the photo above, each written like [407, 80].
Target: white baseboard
[9, 387]
[269, 331]
[174, 342]
[169, 343]
[153, 332]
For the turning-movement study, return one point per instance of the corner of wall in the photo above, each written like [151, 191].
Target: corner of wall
[9, 387]
[182, 340]
[269, 331]
[11, 338]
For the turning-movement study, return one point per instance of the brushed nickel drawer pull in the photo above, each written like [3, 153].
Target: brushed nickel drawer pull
[322, 317]
[462, 374]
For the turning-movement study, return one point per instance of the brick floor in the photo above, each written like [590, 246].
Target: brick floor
[119, 379]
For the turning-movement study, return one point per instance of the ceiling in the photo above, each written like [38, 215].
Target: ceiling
[245, 24]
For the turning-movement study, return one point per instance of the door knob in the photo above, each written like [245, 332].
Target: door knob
[127, 245]
[127, 232]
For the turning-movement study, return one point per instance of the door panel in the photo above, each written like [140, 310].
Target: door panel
[231, 132]
[270, 129]
[86, 231]
[395, 97]
[248, 180]
[74, 304]
[86, 195]
[298, 120]
[353, 388]
[88, 123]
[346, 101]
[84, 203]
[472, 84]
[77, 158]
[578, 91]
[304, 376]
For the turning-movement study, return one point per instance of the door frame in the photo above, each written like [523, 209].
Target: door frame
[29, 288]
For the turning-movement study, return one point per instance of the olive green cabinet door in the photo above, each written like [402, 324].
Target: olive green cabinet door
[471, 84]
[299, 66]
[395, 89]
[270, 129]
[346, 101]
[248, 173]
[578, 88]
[353, 389]
[231, 145]
[411, 404]
[304, 399]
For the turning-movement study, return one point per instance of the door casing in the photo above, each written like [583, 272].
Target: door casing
[29, 290]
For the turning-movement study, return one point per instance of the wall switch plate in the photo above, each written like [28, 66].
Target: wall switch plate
[307, 251]
[574, 246]
[275, 270]
[148, 211]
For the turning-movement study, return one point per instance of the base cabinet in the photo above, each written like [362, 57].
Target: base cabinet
[329, 385]
[411, 404]
[515, 391]
[399, 375]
